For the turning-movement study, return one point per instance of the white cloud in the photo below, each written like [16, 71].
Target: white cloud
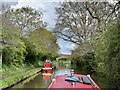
[48, 9]
[8, 0]
[36, 5]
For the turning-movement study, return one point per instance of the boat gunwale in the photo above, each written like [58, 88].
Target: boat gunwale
[94, 85]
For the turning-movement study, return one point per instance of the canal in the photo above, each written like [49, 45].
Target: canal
[41, 80]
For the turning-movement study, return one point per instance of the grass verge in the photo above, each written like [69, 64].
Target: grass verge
[12, 79]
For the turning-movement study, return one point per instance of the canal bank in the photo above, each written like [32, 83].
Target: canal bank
[9, 80]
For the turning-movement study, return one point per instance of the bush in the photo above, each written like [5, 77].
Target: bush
[107, 54]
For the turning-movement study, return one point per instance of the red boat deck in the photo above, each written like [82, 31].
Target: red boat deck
[60, 82]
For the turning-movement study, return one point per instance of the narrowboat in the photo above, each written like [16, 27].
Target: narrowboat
[73, 81]
[47, 67]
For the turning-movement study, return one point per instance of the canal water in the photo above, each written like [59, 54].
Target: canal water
[42, 80]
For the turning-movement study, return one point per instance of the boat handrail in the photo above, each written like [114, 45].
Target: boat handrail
[93, 83]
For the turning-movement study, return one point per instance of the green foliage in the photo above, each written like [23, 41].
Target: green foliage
[13, 47]
[107, 54]
[13, 55]
[41, 44]
[83, 55]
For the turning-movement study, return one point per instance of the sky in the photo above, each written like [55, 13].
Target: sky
[49, 16]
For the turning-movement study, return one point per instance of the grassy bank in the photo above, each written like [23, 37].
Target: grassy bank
[12, 75]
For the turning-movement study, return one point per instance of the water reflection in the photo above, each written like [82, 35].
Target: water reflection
[37, 82]
[47, 74]
[62, 72]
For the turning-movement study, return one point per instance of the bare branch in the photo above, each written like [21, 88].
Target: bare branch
[114, 9]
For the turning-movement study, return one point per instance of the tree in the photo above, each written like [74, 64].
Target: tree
[107, 54]
[27, 19]
[80, 21]
[74, 24]
[82, 49]
[13, 48]
[41, 42]
[104, 12]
